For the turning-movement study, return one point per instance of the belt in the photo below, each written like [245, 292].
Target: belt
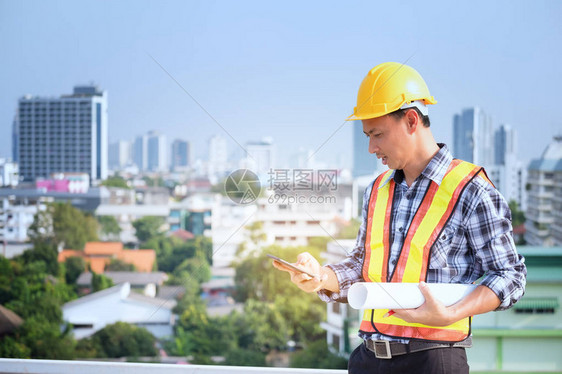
[385, 349]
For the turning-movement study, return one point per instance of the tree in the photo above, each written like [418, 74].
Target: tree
[29, 288]
[109, 226]
[74, 267]
[116, 181]
[244, 357]
[257, 280]
[119, 265]
[43, 252]
[100, 282]
[317, 355]
[517, 215]
[123, 340]
[62, 224]
[147, 227]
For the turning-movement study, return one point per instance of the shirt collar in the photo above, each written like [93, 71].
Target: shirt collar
[435, 169]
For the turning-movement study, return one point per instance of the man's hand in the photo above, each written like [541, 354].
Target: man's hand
[432, 312]
[306, 283]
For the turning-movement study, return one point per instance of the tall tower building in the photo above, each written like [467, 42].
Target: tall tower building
[180, 154]
[65, 134]
[364, 163]
[508, 173]
[218, 156]
[261, 156]
[157, 152]
[119, 154]
[140, 152]
[473, 137]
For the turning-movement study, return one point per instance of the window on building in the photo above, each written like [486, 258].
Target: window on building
[336, 342]
[534, 305]
[336, 308]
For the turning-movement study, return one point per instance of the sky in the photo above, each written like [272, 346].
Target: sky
[289, 70]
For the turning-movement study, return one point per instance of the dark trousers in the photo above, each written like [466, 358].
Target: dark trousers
[433, 361]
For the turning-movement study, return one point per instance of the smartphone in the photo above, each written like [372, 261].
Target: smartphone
[289, 265]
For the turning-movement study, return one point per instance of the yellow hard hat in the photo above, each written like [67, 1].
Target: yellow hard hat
[388, 87]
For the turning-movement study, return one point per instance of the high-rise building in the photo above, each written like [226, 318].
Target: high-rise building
[15, 138]
[140, 152]
[261, 156]
[119, 154]
[180, 154]
[505, 144]
[218, 157]
[364, 163]
[157, 152]
[65, 134]
[473, 137]
[508, 173]
[544, 206]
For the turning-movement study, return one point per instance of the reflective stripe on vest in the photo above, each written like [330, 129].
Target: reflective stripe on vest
[429, 221]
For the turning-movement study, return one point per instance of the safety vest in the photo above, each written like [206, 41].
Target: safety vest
[432, 216]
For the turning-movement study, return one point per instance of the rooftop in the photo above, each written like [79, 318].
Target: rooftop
[133, 277]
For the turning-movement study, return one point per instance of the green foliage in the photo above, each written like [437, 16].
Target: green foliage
[317, 355]
[245, 357]
[61, 223]
[517, 215]
[100, 282]
[45, 340]
[121, 340]
[29, 288]
[43, 252]
[119, 265]
[147, 227]
[173, 252]
[116, 181]
[109, 226]
[257, 280]
[74, 267]
[154, 182]
[11, 347]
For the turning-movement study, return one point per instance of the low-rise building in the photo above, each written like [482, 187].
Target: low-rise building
[93, 312]
[544, 221]
[147, 284]
[99, 254]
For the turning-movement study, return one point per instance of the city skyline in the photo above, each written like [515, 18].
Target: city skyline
[256, 70]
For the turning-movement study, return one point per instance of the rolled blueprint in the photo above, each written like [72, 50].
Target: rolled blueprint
[370, 295]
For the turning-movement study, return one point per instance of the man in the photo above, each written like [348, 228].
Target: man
[429, 218]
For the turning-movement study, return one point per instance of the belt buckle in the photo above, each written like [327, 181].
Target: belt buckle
[382, 349]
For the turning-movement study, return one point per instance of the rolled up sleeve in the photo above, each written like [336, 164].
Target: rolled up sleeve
[348, 271]
[489, 232]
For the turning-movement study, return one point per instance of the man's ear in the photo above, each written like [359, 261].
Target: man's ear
[412, 120]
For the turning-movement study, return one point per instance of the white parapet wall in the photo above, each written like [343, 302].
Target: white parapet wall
[16, 366]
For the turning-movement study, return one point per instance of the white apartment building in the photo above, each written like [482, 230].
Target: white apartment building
[9, 173]
[543, 205]
[294, 224]
[64, 134]
[16, 217]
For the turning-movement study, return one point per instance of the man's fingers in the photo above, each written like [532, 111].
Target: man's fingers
[426, 293]
[282, 267]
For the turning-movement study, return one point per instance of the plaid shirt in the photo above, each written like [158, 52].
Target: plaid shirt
[477, 241]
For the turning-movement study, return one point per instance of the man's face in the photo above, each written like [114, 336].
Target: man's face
[390, 140]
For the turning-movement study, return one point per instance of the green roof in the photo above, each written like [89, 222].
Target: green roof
[529, 303]
[517, 333]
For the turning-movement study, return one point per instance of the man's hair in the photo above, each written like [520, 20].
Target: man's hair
[398, 114]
